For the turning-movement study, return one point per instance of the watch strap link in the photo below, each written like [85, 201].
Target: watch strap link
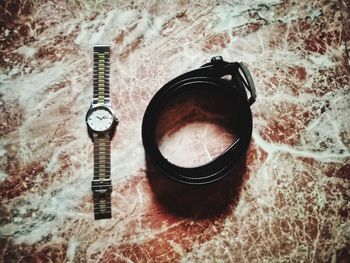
[101, 183]
[101, 74]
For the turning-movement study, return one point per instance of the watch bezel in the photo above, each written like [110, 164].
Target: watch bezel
[94, 107]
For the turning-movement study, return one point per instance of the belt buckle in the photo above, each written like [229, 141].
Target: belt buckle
[101, 186]
[248, 82]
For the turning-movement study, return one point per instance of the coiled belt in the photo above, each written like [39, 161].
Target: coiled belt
[208, 76]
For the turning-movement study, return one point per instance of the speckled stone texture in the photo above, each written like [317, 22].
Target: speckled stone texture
[293, 204]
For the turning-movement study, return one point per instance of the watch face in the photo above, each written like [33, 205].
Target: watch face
[100, 119]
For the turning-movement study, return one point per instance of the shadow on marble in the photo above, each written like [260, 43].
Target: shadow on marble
[203, 201]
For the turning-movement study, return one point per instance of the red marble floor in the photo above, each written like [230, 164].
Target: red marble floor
[293, 203]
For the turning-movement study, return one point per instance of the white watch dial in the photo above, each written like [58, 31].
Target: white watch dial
[100, 120]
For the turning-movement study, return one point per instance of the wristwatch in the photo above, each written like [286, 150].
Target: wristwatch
[101, 123]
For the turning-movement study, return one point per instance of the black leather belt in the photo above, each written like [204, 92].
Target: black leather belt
[208, 76]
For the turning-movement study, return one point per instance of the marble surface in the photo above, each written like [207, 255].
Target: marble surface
[293, 204]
